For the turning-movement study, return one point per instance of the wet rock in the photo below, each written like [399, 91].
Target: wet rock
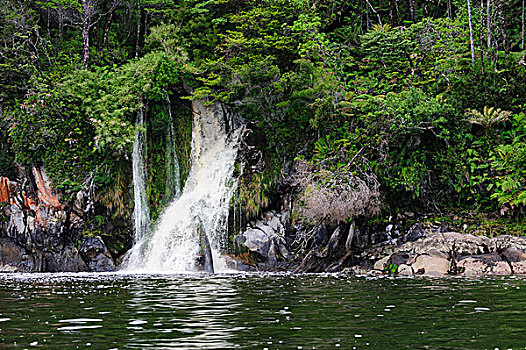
[519, 267]
[30, 223]
[322, 236]
[449, 242]
[16, 225]
[38, 232]
[485, 264]
[374, 273]
[273, 253]
[266, 239]
[10, 252]
[362, 239]
[67, 259]
[350, 237]
[95, 253]
[281, 244]
[286, 221]
[237, 264]
[336, 238]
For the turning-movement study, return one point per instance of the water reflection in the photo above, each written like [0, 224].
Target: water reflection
[190, 311]
[259, 311]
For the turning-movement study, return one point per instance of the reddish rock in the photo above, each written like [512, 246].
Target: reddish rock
[4, 190]
[29, 202]
[485, 264]
[46, 194]
[42, 215]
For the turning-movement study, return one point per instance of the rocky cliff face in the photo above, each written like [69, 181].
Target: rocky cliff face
[39, 233]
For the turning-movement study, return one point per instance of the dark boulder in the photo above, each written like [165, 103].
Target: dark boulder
[67, 259]
[95, 253]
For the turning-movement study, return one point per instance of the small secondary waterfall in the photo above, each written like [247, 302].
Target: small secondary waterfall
[200, 214]
[141, 212]
[173, 176]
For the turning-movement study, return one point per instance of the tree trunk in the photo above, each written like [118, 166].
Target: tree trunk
[481, 38]
[471, 34]
[85, 41]
[522, 31]
[412, 10]
[488, 23]
[505, 42]
[376, 13]
[398, 20]
[391, 17]
[367, 19]
[145, 27]
[60, 25]
[138, 28]
[48, 10]
[106, 31]
[85, 18]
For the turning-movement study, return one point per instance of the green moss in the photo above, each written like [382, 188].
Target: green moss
[158, 128]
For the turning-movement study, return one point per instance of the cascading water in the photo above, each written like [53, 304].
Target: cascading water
[202, 208]
[141, 212]
[173, 177]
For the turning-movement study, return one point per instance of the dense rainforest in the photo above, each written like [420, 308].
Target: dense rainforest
[365, 108]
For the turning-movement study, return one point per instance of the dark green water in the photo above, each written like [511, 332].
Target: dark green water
[108, 311]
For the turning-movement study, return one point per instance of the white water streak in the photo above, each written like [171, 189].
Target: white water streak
[173, 177]
[141, 212]
[204, 202]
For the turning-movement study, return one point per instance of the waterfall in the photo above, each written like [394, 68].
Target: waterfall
[141, 212]
[203, 206]
[173, 177]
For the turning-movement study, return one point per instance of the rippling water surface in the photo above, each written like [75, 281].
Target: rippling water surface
[258, 311]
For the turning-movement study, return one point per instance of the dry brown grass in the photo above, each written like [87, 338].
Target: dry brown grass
[335, 196]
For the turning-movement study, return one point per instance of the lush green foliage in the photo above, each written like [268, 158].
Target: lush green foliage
[381, 94]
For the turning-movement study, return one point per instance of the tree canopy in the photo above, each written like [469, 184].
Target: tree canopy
[402, 97]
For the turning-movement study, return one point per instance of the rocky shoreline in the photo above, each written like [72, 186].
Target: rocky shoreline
[39, 233]
[448, 253]
[431, 252]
